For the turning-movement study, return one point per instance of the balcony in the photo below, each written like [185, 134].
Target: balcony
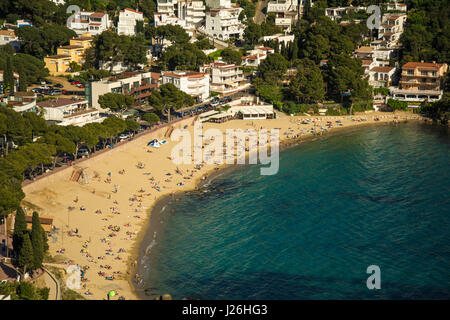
[428, 75]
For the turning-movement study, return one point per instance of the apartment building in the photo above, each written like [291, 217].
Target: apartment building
[336, 13]
[280, 38]
[224, 24]
[256, 56]
[92, 22]
[76, 53]
[193, 83]
[21, 102]
[367, 64]
[128, 19]
[286, 12]
[137, 84]
[64, 112]
[381, 76]
[85, 41]
[224, 77]
[396, 7]
[364, 53]
[59, 64]
[392, 26]
[420, 81]
[188, 14]
[9, 37]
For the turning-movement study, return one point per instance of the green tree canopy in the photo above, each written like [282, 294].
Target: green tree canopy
[26, 259]
[168, 97]
[151, 118]
[37, 241]
[273, 67]
[307, 85]
[116, 102]
[232, 56]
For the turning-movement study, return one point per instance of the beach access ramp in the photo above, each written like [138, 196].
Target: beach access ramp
[169, 132]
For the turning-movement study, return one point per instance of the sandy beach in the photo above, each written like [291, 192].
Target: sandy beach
[101, 222]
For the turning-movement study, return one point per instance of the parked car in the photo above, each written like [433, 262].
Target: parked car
[58, 85]
[123, 136]
[55, 92]
[83, 152]
[80, 85]
[75, 82]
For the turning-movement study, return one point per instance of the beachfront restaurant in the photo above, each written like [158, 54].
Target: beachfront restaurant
[255, 112]
[242, 111]
[222, 117]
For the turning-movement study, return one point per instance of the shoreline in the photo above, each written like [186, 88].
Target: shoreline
[52, 195]
[156, 211]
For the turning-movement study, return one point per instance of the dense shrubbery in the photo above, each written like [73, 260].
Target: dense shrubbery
[23, 291]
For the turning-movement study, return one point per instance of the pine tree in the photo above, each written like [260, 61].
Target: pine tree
[22, 81]
[8, 80]
[25, 259]
[45, 240]
[295, 50]
[37, 241]
[20, 226]
[283, 49]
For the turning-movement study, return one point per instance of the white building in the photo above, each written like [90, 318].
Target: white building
[337, 13]
[91, 22]
[59, 2]
[21, 102]
[224, 77]
[24, 23]
[193, 83]
[396, 7]
[223, 23]
[281, 38]
[368, 64]
[392, 26]
[256, 56]
[137, 84]
[286, 12]
[381, 76]
[189, 14]
[69, 112]
[127, 21]
[9, 37]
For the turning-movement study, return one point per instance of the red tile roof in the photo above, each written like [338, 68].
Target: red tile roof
[97, 15]
[428, 65]
[382, 69]
[131, 10]
[181, 74]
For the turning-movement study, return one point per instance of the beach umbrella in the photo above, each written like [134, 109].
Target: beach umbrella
[111, 294]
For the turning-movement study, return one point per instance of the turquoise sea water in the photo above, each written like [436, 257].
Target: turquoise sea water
[372, 196]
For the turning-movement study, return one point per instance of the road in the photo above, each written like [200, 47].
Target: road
[259, 14]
